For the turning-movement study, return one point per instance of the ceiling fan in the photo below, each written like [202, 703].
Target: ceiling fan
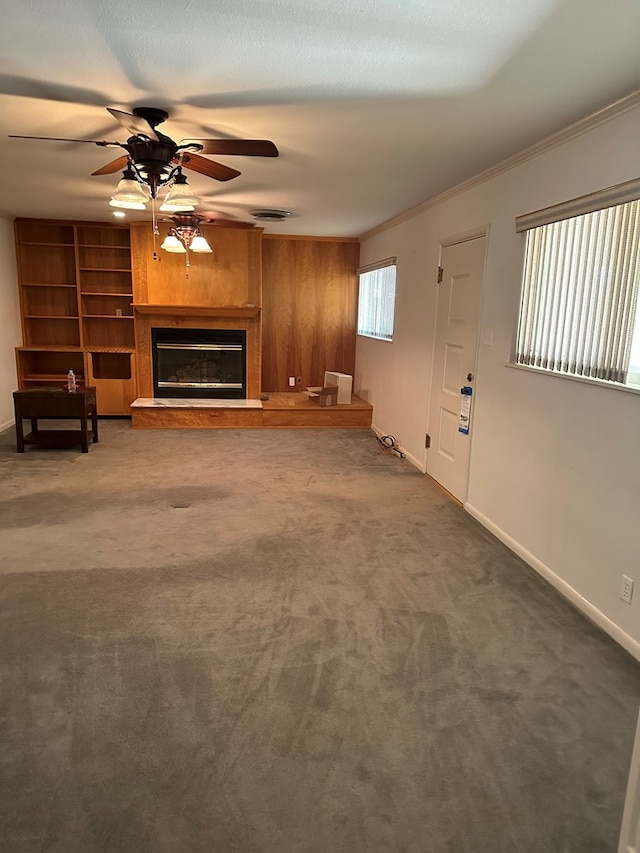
[185, 234]
[156, 159]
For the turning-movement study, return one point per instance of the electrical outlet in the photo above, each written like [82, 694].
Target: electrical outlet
[626, 589]
[292, 381]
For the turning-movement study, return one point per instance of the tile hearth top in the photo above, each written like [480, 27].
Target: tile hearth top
[193, 403]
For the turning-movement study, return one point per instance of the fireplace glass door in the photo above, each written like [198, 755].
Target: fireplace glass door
[199, 363]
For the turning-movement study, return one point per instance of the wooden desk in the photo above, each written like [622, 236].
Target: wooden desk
[56, 404]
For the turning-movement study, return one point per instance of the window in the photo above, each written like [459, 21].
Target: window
[579, 313]
[376, 302]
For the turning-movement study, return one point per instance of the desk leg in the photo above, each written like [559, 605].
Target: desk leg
[94, 424]
[19, 432]
[83, 426]
[34, 425]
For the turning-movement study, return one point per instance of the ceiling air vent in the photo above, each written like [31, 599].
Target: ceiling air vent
[269, 215]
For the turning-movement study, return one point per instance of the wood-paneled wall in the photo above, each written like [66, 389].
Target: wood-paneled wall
[310, 303]
[304, 290]
[229, 276]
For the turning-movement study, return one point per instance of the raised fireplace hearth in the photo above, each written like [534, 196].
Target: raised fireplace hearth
[199, 363]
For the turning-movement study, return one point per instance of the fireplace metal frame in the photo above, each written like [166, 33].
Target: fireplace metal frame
[209, 339]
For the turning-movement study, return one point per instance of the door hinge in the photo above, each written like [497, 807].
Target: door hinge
[440, 274]
[427, 441]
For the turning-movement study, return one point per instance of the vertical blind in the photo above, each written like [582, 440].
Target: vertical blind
[580, 293]
[376, 300]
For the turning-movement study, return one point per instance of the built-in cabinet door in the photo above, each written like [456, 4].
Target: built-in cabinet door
[113, 375]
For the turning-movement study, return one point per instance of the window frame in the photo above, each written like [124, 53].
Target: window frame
[377, 310]
[626, 285]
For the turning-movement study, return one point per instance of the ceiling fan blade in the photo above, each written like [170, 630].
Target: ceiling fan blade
[208, 167]
[228, 223]
[136, 125]
[244, 147]
[103, 144]
[113, 166]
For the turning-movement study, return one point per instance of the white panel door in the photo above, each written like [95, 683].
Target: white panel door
[630, 832]
[454, 361]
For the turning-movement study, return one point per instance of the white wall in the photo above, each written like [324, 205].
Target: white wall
[10, 335]
[555, 463]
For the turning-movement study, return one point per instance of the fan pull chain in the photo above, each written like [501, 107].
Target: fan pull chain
[156, 232]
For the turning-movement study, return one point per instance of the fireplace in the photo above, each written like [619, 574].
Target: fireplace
[197, 363]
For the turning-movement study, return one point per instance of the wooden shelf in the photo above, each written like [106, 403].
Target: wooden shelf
[42, 302]
[107, 316]
[105, 293]
[198, 310]
[46, 284]
[102, 246]
[50, 377]
[52, 284]
[47, 263]
[108, 333]
[110, 349]
[51, 317]
[102, 236]
[64, 245]
[104, 269]
[40, 232]
[49, 365]
[50, 348]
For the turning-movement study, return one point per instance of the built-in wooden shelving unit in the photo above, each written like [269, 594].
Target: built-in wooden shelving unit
[91, 292]
[76, 296]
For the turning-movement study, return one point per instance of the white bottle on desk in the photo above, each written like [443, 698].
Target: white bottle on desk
[71, 382]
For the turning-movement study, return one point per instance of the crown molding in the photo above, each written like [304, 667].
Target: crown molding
[602, 116]
[308, 237]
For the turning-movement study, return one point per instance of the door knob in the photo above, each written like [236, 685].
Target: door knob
[469, 377]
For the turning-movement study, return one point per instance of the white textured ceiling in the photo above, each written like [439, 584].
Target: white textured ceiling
[374, 107]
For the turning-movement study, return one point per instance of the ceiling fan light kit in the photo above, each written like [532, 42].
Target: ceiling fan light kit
[128, 205]
[171, 243]
[180, 196]
[178, 242]
[200, 245]
[185, 237]
[130, 191]
[167, 207]
[154, 163]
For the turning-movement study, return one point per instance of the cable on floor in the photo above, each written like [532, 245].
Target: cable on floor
[389, 445]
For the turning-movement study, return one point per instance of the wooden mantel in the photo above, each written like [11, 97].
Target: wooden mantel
[198, 310]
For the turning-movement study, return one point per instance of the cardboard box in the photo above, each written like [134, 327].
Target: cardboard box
[344, 382]
[323, 395]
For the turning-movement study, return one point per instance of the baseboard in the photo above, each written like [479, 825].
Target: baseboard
[7, 424]
[408, 456]
[589, 610]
